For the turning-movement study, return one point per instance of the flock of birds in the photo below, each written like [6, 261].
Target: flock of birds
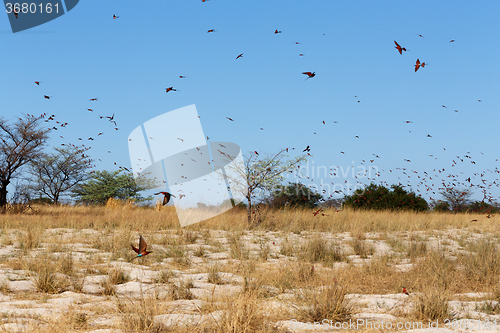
[424, 183]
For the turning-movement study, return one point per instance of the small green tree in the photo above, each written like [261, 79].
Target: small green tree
[104, 185]
[379, 197]
[294, 195]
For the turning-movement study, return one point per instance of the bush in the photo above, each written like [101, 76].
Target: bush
[481, 207]
[294, 195]
[379, 197]
[441, 206]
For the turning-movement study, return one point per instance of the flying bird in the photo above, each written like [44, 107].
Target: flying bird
[182, 76]
[115, 17]
[277, 32]
[93, 99]
[421, 36]
[309, 74]
[47, 97]
[451, 41]
[239, 56]
[211, 30]
[37, 83]
[141, 251]
[418, 65]
[170, 89]
[166, 197]
[229, 118]
[307, 149]
[400, 49]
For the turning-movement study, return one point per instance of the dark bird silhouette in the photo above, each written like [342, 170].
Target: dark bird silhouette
[37, 83]
[115, 17]
[277, 32]
[141, 251]
[93, 99]
[166, 197]
[239, 56]
[309, 74]
[211, 30]
[451, 41]
[307, 149]
[170, 89]
[421, 36]
[47, 97]
[182, 77]
[400, 49]
[229, 118]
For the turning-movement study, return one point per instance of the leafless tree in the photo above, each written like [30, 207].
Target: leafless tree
[458, 199]
[261, 173]
[20, 142]
[59, 172]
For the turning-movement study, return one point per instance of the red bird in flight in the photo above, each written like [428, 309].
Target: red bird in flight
[309, 74]
[240, 56]
[170, 89]
[211, 30]
[115, 17]
[93, 99]
[141, 251]
[277, 32]
[400, 49]
[418, 65]
[37, 83]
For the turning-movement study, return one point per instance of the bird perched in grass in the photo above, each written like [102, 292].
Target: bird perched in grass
[166, 197]
[405, 291]
[141, 251]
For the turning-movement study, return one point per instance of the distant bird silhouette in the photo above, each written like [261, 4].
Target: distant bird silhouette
[239, 56]
[141, 251]
[400, 49]
[47, 97]
[211, 30]
[309, 74]
[307, 149]
[93, 99]
[277, 32]
[451, 41]
[170, 89]
[115, 17]
[166, 197]
[230, 118]
[37, 83]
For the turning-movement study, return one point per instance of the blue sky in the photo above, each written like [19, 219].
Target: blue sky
[127, 63]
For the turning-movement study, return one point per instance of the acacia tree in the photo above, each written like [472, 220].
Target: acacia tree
[458, 199]
[261, 173]
[59, 172]
[20, 143]
[103, 185]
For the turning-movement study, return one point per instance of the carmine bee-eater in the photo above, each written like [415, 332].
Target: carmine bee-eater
[141, 251]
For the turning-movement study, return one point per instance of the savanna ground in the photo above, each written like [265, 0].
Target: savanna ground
[69, 269]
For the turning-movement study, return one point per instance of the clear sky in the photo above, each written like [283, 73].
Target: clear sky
[128, 62]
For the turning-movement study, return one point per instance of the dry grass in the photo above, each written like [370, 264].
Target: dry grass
[308, 260]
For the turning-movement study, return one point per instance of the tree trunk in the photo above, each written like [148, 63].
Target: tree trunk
[3, 196]
[249, 211]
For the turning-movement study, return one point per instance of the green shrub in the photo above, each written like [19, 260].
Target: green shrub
[379, 197]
